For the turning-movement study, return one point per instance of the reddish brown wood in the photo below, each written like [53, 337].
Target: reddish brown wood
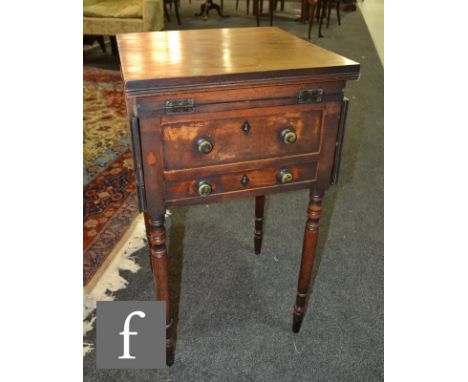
[231, 144]
[159, 266]
[238, 76]
[258, 233]
[152, 60]
[232, 181]
[244, 95]
[314, 210]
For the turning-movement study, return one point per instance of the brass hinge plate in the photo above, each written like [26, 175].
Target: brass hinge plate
[310, 96]
[179, 106]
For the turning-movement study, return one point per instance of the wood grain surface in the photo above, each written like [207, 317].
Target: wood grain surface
[231, 144]
[213, 54]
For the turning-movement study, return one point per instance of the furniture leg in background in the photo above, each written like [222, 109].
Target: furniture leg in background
[176, 7]
[247, 5]
[159, 267]
[271, 7]
[308, 255]
[258, 233]
[114, 48]
[330, 3]
[312, 8]
[258, 9]
[322, 11]
[90, 39]
[177, 12]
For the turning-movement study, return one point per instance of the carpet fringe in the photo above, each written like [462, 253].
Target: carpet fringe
[111, 280]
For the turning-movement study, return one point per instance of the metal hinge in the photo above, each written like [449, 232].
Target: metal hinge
[310, 96]
[136, 149]
[339, 141]
[179, 106]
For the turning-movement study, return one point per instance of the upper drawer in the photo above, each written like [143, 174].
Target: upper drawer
[241, 135]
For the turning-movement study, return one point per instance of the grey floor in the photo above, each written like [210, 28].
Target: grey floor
[234, 309]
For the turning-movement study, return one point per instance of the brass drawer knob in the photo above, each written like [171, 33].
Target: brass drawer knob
[285, 176]
[204, 146]
[288, 136]
[204, 188]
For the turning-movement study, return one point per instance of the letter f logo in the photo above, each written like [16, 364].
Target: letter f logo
[126, 333]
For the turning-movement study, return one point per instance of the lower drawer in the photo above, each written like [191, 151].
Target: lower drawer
[238, 182]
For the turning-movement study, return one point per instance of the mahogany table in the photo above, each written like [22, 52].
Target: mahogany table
[218, 114]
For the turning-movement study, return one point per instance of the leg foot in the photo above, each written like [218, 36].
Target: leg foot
[307, 261]
[297, 322]
[159, 266]
[258, 233]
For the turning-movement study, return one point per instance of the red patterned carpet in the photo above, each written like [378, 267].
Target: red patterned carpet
[109, 198]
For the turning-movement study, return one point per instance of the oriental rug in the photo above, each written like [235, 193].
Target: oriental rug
[109, 197]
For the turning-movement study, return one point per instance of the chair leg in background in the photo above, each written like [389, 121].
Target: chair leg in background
[311, 16]
[177, 13]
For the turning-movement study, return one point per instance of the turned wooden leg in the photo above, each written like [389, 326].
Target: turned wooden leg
[258, 233]
[158, 255]
[307, 261]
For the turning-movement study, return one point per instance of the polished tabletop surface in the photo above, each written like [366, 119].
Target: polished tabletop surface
[221, 52]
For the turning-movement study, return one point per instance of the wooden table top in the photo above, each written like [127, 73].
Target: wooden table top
[198, 56]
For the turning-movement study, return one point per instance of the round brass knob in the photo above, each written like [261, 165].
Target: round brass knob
[204, 146]
[285, 176]
[289, 136]
[204, 188]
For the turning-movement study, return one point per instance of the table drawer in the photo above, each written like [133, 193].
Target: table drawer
[280, 176]
[244, 135]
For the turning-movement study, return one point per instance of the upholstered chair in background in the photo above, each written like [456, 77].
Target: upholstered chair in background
[110, 17]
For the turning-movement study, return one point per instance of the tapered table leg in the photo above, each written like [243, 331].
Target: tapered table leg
[158, 254]
[258, 233]
[307, 261]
